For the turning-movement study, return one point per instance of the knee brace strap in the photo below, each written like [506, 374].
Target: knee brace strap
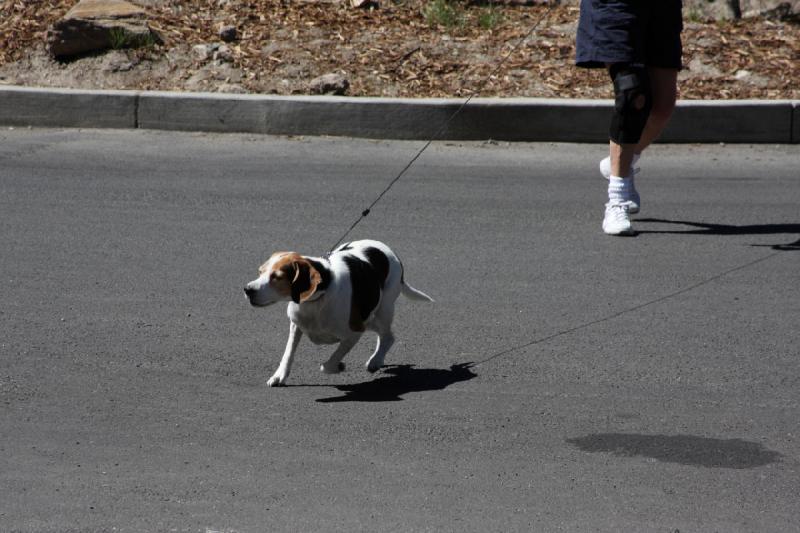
[632, 103]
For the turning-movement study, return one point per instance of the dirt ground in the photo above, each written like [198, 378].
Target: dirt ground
[391, 50]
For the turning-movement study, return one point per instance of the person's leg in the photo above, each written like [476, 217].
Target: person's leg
[621, 158]
[664, 91]
[663, 57]
[610, 35]
[632, 108]
[622, 196]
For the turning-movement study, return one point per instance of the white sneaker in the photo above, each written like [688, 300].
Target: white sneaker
[616, 220]
[633, 196]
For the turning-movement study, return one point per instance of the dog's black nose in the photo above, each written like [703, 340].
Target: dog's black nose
[249, 291]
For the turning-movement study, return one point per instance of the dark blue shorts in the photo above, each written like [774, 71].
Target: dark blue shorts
[639, 32]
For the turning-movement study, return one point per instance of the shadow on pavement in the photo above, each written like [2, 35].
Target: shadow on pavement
[681, 449]
[705, 228]
[398, 380]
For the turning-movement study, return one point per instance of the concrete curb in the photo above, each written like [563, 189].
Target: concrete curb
[511, 119]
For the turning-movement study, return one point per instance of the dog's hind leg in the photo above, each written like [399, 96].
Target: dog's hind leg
[334, 363]
[382, 325]
[385, 341]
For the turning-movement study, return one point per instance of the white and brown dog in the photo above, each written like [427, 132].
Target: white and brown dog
[334, 299]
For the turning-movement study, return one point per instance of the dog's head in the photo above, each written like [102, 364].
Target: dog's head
[286, 276]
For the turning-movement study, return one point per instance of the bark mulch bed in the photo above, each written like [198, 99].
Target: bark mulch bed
[391, 50]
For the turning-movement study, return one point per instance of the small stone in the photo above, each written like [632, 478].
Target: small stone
[204, 52]
[746, 76]
[224, 53]
[117, 61]
[331, 83]
[698, 68]
[228, 33]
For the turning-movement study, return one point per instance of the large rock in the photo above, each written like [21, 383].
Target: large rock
[729, 9]
[96, 25]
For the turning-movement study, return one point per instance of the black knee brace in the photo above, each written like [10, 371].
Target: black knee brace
[632, 103]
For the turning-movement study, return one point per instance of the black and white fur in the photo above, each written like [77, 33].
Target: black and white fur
[334, 299]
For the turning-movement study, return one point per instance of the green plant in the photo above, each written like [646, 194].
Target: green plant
[118, 38]
[490, 18]
[694, 15]
[147, 41]
[444, 13]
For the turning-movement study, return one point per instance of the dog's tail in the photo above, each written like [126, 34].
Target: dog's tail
[414, 294]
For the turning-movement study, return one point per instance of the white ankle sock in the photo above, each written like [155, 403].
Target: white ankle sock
[619, 189]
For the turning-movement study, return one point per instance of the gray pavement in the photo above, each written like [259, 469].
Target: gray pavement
[563, 381]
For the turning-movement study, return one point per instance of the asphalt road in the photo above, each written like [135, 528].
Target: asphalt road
[564, 380]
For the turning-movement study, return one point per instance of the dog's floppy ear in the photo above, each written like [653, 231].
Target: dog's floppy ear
[305, 282]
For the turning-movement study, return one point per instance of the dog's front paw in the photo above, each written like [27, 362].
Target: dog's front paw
[277, 380]
[332, 368]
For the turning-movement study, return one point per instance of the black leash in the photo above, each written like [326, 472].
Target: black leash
[444, 126]
[626, 311]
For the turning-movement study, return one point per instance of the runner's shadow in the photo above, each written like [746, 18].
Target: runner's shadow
[398, 380]
[705, 228]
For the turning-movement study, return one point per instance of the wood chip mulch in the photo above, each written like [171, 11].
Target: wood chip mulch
[393, 50]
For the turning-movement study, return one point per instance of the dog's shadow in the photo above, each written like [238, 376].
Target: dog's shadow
[397, 380]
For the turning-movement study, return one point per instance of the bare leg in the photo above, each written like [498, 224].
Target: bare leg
[621, 191]
[285, 366]
[334, 363]
[664, 87]
[621, 158]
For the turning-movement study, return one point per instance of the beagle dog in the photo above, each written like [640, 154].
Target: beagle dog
[334, 299]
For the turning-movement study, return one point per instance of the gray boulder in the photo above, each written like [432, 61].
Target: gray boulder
[734, 9]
